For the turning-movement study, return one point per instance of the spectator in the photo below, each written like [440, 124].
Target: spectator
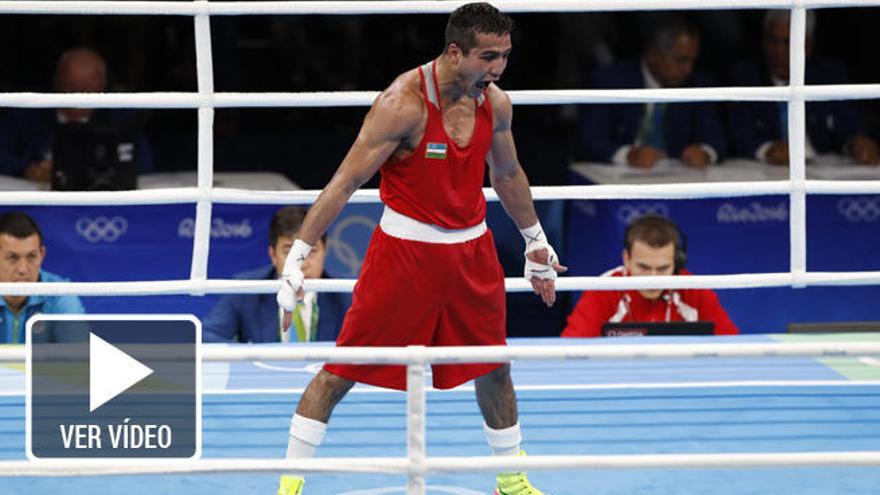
[759, 130]
[254, 317]
[653, 245]
[641, 135]
[22, 252]
[26, 134]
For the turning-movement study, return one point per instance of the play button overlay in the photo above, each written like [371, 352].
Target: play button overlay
[113, 386]
[111, 371]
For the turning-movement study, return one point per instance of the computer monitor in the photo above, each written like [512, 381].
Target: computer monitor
[94, 157]
[654, 328]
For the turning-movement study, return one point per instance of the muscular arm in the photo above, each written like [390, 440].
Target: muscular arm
[505, 172]
[512, 186]
[393, 117]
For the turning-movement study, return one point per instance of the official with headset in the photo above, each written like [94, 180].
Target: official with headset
[652, 245]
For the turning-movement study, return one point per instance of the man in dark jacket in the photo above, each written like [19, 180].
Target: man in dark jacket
[759, 130]
[26, 134]
[641, 135]
[254, 317]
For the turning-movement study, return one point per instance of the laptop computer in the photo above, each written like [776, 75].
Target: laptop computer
[654, 328]
[94, 157]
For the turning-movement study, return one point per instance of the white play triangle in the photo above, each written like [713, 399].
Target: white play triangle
[111, 371]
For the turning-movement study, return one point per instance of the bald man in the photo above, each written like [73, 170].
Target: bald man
[79, 70]
[26, 134]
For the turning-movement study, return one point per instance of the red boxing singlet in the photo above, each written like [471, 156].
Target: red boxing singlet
[441, 183]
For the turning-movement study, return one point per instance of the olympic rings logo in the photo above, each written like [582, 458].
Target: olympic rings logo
[101, 229]
[588, 208]
[860, 209]
[629, 212]
[342, 249]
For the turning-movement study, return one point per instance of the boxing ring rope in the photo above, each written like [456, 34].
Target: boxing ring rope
[235, 286]
[397, 465]
[384, 7]
[416, 465]
[419, 356]
[329, 99]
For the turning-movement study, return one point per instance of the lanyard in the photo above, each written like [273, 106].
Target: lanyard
[302, 334]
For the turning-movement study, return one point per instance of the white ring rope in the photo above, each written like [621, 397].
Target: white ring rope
[797, 116]
[540, 193]
[365, 98]
[366, 196]
[236, 286]
[397, 465]
[420, 355]
[205, 76]
[393, 7]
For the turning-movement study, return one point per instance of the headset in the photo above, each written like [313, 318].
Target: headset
[679, 242]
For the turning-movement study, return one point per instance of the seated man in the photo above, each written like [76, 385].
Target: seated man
[21, 257]
[641, 135]
[255, 317]
[26, 134]
[653, 245]
[759, 130]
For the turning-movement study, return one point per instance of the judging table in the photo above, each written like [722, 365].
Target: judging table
[266, 181]
[742, 235]
[154, 242]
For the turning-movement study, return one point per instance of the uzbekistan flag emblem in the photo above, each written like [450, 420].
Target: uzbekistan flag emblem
[436, 151]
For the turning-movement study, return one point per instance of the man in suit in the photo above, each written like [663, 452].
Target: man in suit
[255, 318]
[759, 130]
[641, 135]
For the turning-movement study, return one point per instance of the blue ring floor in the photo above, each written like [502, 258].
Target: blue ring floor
[566, 407]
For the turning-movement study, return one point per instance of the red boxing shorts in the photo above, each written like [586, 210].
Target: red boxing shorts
[421, 293]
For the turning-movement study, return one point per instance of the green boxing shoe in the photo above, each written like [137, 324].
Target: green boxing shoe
[291, 485]
[515, 484]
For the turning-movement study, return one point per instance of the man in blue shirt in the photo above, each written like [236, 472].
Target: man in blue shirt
[254, 318]
[21, 257]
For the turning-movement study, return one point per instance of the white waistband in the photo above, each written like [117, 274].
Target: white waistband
[404, 227]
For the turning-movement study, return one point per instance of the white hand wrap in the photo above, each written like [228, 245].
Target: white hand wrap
[535, 240]
[292, 276]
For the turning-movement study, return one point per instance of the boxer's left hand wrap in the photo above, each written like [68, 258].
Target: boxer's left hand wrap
[536, 239]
